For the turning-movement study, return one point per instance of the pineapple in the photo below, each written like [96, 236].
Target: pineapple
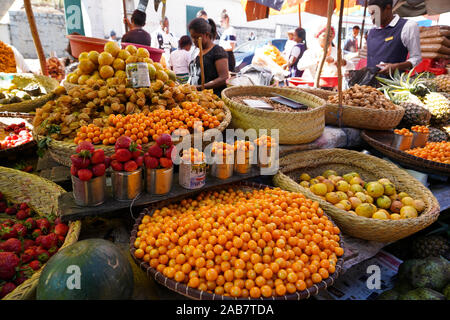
[436, 135]
[442, 83]
[415, 114]
[431, 246]
[439, 106]
[403, 87]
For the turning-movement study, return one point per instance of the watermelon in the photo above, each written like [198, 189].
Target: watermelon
[92, 269]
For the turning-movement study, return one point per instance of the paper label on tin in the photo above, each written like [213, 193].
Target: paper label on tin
[137, 74]
[192, 176]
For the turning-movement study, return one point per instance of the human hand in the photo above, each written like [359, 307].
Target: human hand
[387, 68]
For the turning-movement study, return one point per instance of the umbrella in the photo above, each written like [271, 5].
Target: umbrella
[414, 8]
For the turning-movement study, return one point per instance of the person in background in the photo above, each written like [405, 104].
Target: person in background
[228, 39]
[163, 39]
[113, 36]
[180, 59]
[352, 43]
[215, 58]
[297, 52]
[392, 39]
[290, 43]
[252, 36]
[202, 14]
[137, 34]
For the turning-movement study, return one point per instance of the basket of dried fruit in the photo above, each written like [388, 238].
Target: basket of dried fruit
[25, 92]
[16, 139]
[296, 126]
[101, 113]
[29, 206]
[367, 197]
[363, 107]
[221, 250]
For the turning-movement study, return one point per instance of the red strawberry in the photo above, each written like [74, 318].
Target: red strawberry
[8, 264]
[123, 155]
[11, 211]
[165, 162]
[151, 162]
[38, 239]
[139, 161]
[99, 169]
[19, 280]
[116, 165]
[28, 243]
[7, 223]
[42, 255]
[36, 234]
[23, 206]
[169, 151]
[155, 151]
[12, 245]
[164, 140]
[49, 241]
[20, 229]
[22, 214]
[80, 162]
[8, 232]
[113, 157]
[61, 240]
[130, 166]
[35, 265]
[43, 224]
[123, 142]
[61, 229]
[107, 162]
[28, 255]
[7, 288]
[73, 170]
[98, 156]
[84, 145]
[57, 221]
[3, 206]
[85, 174]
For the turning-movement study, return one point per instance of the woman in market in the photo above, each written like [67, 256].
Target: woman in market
[228, 39]
[137, 34]
[312, 57]
[215, 58]
[180, 59]
[297, 52]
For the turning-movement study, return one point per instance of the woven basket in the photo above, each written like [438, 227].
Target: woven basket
[48, 83]
[23, 150]
[42, 196]
[62, 150]
[294, 127]
[196, 294]
[370, 168]
[381, 142]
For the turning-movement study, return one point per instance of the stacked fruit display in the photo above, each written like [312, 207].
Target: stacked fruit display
[365, 97]
[26, 242]
[403, 132]
[241, 243]
[433, 151]
[14, 135]
[88, 163]
[193, 155]
[159, 155]
[128, 155]
[374, 199]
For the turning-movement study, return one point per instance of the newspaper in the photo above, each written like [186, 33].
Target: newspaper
[356, 283]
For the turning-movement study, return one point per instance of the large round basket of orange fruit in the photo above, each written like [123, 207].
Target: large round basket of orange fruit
[367, 197]
[213, 246]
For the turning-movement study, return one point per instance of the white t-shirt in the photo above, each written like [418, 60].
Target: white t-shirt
[227, 38]
[288, 48]
[169, 42]
[179, 60]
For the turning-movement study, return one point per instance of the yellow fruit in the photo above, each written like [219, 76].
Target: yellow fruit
[419, 205]
[151, 71]
[118, 64]
[384, 181]
[158, 66]
[357, 181]
[86, 66]
[396, 206]
[366, 210]
[303, 176]
[401, 195]
[112, 47]
[142, 53]
[389, 189]
[123, 54]
[106, 72]
[347, 205]
[408, 212]
[72, 78]
[313, 181]
[369, 199]
[83, 56]
[350, 194]
[120, 74]
[332, 197]
[131, 59]
[408, 201]
[356, 188]
[329, 184]
[161, 75]
[82, 79]
[172, 75]
[319, 189]
[328, 173]
[395, 216]
[341, 195]
[105, 59]
[305, 184]
[384, 202]
[131, 49]
[349, 176]
[93, 56]
[380, 215]
[352, 212]
[320, 178]
[342, 186]
[355, 202]
[374, 189]
[148, 60]
[340, 206]
[361, 196]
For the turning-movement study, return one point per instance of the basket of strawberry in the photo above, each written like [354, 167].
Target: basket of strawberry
[159, 166]
[27, 241]
[88, 172]
[127, 162]
[15, 137]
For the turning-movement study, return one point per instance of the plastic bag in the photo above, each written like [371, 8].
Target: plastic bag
[262, 60]
[259, 76]
[364, 76]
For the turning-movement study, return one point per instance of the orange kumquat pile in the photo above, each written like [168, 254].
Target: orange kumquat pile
[434, 151]
[420, 129]
[265, 141]
[404, 132]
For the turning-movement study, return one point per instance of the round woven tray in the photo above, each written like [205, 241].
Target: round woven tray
[294, 127]
[62, 150]
[42, 196]
[48, 83]
[195, 294]
[381, 142]
[23, 150]
[370, 168]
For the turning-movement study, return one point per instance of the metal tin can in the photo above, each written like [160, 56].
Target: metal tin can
[222, 170]
[420, 139]
[243, 165]
[402, 142]
[89, 193]
[265, 159]
[158, 181]
[137, 74]
[126, 185]
[192, 176]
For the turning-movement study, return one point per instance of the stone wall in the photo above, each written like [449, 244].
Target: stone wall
[51, 28]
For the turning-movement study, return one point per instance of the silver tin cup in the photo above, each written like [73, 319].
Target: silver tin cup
[243, 165]
[89, 193]
[222, 170]
[158, 181]
[265, 159]
[126, 185]
[401, 142]
[419, 139]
